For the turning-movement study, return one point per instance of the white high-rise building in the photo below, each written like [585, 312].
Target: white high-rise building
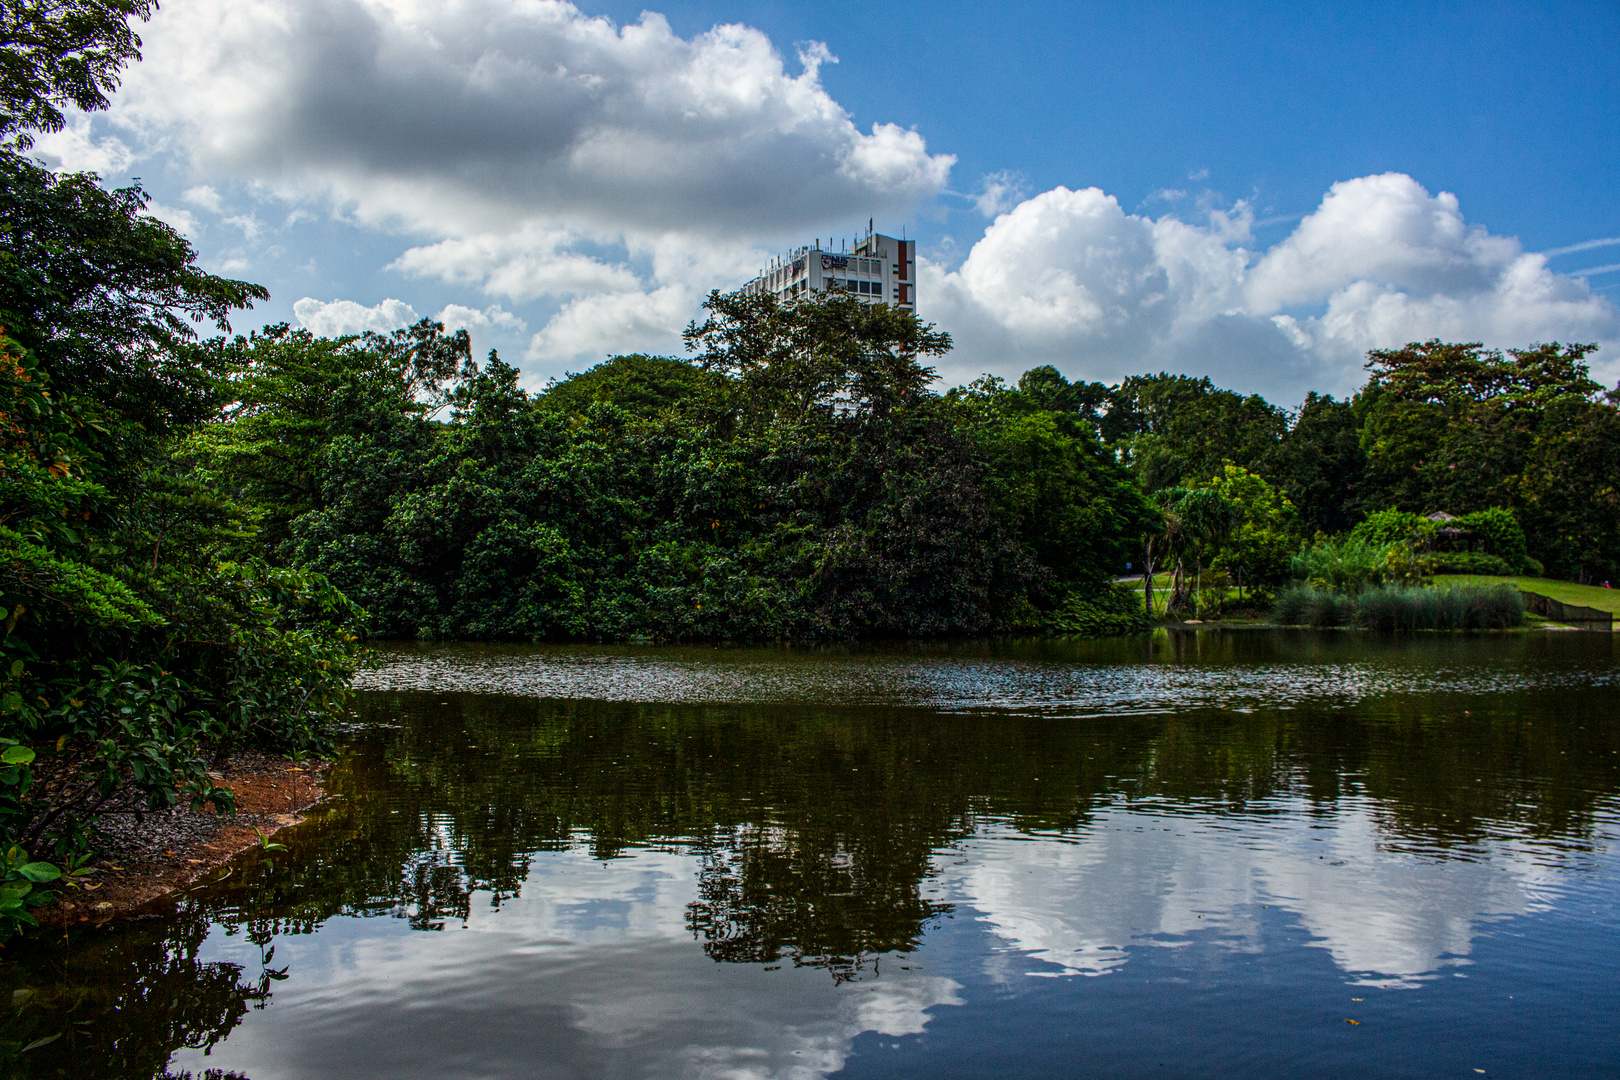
[876, 268]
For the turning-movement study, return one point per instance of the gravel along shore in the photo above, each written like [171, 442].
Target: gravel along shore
[142, 867]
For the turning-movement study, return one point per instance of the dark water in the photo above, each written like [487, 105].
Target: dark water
[1186, 855]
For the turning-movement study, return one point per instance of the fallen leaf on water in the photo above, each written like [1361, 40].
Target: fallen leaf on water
[1355, 1022]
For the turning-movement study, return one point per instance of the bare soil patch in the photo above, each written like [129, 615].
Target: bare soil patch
[145, 865]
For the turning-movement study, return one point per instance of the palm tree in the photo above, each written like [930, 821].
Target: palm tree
[1168, 536]
[1204, 518]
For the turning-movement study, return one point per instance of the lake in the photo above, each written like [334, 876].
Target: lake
[1251, 853]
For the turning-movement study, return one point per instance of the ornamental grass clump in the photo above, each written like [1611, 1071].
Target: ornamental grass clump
[1390, 609]
[1393, 608]
[1301, 605]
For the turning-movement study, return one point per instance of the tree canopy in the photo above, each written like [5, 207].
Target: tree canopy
[55, 53]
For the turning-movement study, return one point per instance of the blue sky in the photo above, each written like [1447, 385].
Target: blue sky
[1255, 192]
[1514, 107]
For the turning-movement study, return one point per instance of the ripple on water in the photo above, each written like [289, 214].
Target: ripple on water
[947, 683]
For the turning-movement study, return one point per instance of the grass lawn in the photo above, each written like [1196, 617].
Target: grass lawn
[1161, 592]
[1592, 596]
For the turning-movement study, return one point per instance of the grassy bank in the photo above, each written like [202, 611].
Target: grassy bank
[1567, 592]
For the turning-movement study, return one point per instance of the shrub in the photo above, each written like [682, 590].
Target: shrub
[1115, 611]
[1471, 562]
[1354, 563]
[1498, 530]
[1494, 531]
[1392, 527]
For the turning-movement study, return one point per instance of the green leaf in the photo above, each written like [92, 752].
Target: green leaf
[17, 755]
[11, 702]
[39, 871]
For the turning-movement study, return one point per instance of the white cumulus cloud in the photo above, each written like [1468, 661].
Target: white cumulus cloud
[1069, 278]
[335, 318]
[76, 148]
[459, 119]
[596, 326]
[458, 317]
[527, 152]
[533, 151]
[202, 195]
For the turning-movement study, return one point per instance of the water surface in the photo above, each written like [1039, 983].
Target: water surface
[1177, 855]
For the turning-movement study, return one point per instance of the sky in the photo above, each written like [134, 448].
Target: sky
[1259, 193]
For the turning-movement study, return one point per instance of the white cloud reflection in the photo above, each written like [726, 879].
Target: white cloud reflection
[593, 970]
[1142, 879]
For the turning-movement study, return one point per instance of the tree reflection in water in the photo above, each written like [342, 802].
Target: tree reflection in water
[816, 828]
[124, 1000]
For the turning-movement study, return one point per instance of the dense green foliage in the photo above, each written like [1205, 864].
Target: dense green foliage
[1469, 544]
[1522, 447]
[144, 634]
[797, 480]
[61, 52]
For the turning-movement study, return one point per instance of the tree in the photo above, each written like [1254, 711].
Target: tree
[61, 52]
[824, 351]
[108, 299]
[1259, 547]
[641, 385]
[1046, 388]
[1320, 465]
[1568, 493]
[1435, 372]
[292, 395]
[1174, 430]
[1199, 520]
[1056, 487]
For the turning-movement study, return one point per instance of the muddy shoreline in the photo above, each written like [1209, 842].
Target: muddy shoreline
[143, 868]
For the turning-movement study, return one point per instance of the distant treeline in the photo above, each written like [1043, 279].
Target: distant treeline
[1438, 427]
[797, 480]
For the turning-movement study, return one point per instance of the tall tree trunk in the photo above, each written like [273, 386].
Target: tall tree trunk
[1178, 587]
[1147, 575]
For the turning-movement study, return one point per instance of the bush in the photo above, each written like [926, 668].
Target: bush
[1389, 609]
[1117, 610]
[1355, 563]
[1471, 562]
[1385, 527]
[1499, 532]
[1494, 531]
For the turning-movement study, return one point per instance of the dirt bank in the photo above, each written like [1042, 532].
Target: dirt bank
[144, 866]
